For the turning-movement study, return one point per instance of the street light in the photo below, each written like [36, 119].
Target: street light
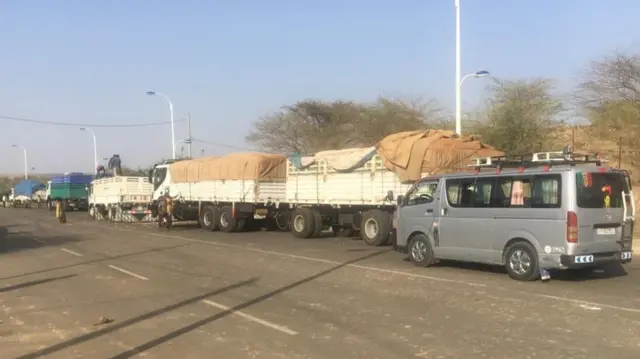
[95, 148]
[26, 166]
[173, 134]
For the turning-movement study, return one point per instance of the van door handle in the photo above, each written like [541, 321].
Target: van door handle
[429, 211]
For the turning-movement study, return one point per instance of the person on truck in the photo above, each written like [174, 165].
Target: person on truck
[115, 165]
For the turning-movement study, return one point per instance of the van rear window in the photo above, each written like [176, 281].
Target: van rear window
[600, 189]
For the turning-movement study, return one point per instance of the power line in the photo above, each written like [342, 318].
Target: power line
[71, 124]
[222, 145]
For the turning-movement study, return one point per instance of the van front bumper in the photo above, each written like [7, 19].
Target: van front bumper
[595, 259]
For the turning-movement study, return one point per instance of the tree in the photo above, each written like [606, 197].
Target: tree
[520, 116]
[311, 126]
[609, 97]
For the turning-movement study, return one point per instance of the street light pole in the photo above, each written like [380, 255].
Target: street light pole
[173, 134]
[26, 166]
[458, 73]
[95, 148]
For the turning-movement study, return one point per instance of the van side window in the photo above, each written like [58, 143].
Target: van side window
[461, 192]
[546, 191]
[502, 194]
[423, 192]
[520, 192]
[483, 190]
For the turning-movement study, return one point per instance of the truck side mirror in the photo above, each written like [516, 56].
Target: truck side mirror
[400, 200]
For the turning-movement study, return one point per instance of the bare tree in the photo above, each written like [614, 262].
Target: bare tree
[311, 126]
[520, 116]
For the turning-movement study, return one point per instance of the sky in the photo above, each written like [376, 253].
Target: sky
[226, 63]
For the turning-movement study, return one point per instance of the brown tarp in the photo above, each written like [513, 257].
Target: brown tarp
[410, 154]
[237, 166]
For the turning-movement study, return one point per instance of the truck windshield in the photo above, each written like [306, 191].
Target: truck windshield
[600, 189]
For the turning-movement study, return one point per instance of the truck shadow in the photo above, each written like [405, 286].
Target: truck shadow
[17, 241]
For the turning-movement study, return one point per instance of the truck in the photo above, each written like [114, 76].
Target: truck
[120, 199]
[25, 193]
[70, 188]
[351, 191]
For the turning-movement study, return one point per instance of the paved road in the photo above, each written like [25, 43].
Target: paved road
[100, 290]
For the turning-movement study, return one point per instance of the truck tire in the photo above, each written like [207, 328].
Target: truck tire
[92, 212]
[317, 224]
[375, 228]
[302, 222]
[227, 223]
[210, 218]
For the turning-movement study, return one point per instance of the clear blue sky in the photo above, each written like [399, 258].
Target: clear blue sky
[229, 62]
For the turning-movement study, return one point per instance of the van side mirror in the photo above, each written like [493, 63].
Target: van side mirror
[400, 200]
[389, 196]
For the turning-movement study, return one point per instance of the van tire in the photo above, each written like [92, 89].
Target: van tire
[382, 221]
[210, 218]
[533, 272]
[422, 255]
[227, 222]
[302, 222]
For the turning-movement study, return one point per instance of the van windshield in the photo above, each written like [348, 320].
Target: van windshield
[600, 189]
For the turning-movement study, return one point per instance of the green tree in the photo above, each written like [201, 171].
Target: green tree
[520, 116]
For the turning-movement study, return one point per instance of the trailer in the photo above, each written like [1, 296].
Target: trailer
[120, 199]
[351, 191]
[71, 188]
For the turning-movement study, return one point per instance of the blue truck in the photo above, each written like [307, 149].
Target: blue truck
[25, 193]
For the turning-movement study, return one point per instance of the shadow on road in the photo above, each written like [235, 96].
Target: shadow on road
[126, 323]
[20, 241]
[34, 282]
[98, 260]
[186, 329]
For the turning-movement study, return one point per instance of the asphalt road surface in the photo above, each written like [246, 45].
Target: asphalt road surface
[101, 290]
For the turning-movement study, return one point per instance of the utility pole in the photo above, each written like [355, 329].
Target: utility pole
[189, 129]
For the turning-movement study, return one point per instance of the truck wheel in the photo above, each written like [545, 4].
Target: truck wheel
[92, 212]
[210, 218]
[303, 222]
[227, 222]
[375, 228]
[317, 223]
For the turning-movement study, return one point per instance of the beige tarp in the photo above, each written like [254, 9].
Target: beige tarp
[237, 166]
[410, 154]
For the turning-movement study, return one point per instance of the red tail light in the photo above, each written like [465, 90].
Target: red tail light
[572, 227]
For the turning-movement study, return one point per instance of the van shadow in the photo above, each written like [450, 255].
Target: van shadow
[17, 241]
[613, 270]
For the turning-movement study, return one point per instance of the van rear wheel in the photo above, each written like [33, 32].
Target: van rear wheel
[521, 262]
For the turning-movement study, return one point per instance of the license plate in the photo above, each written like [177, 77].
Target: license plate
[605, 231]
[626, 256]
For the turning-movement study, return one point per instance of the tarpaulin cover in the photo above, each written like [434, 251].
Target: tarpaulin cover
[413, 153]
[237, 166]
[344, 160]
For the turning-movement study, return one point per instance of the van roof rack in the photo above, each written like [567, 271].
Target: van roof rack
[564, 157]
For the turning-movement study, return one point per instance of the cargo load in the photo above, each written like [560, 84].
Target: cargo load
[413, 154]
[239, 177]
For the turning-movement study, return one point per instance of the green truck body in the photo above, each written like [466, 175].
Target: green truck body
[75, 195]
[69, 191]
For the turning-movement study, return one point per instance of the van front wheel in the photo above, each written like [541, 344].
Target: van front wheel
[421, 251]
[521, 262]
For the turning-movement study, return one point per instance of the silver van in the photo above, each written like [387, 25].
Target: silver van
[554, 210]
